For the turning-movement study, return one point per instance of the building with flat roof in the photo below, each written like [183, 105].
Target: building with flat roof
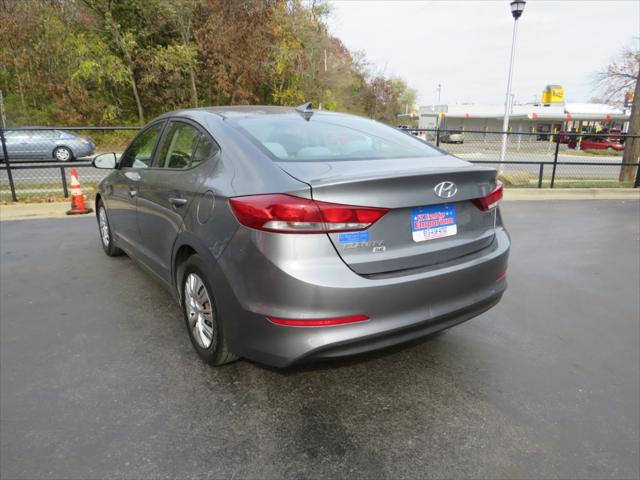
[534, 117]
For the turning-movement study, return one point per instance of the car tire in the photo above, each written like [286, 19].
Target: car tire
[104, 229]
[63, 154]
[205, 329]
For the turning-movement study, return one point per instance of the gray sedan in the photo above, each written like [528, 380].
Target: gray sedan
[28, 144]
[293, 234]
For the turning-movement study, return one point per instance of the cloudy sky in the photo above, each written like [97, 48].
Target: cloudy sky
[464, 45]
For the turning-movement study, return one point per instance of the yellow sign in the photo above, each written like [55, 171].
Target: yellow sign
[553, 94]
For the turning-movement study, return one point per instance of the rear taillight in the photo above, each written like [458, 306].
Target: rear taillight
[490, 201]
[289, 214]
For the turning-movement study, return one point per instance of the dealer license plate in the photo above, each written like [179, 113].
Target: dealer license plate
[434, 221]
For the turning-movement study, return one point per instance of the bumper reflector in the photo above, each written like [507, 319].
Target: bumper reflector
[318, 322]
[501, 276]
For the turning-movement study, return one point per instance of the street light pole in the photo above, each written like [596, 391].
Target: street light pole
[517, 7]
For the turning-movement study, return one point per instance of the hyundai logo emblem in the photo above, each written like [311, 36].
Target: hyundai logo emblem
[445, 189]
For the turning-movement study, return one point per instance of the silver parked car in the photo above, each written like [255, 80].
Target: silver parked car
[290, 234]
[26, 144]
[452, 136]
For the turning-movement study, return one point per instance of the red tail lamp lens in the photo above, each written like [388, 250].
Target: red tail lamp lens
[319, 322]
[490, 201]
[290, 214]
[337, 214]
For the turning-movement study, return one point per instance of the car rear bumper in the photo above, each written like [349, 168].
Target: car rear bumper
[271, 275]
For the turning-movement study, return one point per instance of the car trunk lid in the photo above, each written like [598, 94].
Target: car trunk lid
[420, 228]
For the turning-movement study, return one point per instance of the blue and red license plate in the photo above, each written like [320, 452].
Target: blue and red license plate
[435, 221]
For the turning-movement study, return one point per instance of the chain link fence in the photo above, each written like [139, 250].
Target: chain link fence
[35, 161]
[542, 159]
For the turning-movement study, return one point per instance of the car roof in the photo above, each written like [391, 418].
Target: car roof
[249, 110]
[243, 111]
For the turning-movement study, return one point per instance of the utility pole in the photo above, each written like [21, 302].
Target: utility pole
[439, 89]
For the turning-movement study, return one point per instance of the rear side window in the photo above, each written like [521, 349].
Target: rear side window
[178, 146]
[184, 146]
[205, 149]
[139, 153]
[289, 137]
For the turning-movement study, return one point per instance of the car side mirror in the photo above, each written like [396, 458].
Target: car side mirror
[106, 161]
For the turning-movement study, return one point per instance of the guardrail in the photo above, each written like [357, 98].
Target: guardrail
[533, 159]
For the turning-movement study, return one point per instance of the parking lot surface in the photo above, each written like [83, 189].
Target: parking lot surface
[98, 378]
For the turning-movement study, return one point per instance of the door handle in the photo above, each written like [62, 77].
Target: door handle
[177, 202]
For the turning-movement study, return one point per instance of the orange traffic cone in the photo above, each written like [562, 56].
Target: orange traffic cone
[77, 198]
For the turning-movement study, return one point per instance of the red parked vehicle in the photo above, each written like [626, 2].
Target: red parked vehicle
[596, 143]
[615, 135]
[564, 137]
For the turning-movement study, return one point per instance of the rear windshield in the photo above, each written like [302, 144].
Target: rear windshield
[330, 138]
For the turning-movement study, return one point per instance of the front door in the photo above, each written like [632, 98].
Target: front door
[122, 200]
[168, 189]
[42, 144]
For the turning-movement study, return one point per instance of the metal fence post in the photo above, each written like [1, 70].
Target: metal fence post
[64, 182]
[555, 161]
[540, 175]
[7, 161]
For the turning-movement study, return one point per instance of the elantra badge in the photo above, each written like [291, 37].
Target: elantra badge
[445, 189]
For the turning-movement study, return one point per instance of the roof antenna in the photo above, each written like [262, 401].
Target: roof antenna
[305, 110]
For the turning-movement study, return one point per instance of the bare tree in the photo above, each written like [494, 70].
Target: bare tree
[621, 77]
[632, 144]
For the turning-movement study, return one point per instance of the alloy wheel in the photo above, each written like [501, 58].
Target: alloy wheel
[104, 227]
[63, 154]
[199, 311]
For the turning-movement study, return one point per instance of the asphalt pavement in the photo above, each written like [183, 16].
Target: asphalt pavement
[98, 378]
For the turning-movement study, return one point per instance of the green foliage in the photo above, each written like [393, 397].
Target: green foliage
[113, 62]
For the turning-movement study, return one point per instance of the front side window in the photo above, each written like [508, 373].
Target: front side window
[329, 137]
[139, 153]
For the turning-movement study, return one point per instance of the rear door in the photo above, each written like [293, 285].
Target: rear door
[421, 227]
[168, 188]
